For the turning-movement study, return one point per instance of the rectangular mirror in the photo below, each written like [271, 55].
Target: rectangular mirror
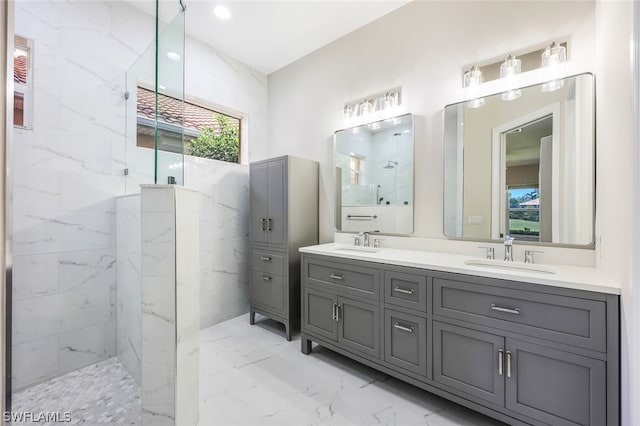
[524, 167]
[374, 177]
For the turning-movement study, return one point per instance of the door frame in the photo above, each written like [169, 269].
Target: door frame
[498, 168]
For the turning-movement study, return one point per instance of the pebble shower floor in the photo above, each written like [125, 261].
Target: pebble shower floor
[103, 393]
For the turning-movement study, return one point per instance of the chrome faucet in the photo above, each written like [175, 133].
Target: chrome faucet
[508, 248]
[365, 241]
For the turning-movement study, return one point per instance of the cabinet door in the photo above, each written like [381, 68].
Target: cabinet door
[318, 313]
[359, 326]
[469, 361]
[556, 387]
[267, 291]
[276, 203]
[259, 197]
[405, 341]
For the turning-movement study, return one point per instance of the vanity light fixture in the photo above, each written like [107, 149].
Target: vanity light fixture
[471, 80]
[374, 107]
[348, 111]
[366, 107]
[508, 70]
[553, 59]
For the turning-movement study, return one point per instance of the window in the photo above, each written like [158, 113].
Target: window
[356, 165]
[524, 213]
[23, 82]
[187, 128]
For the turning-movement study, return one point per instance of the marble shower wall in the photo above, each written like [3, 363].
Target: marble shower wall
[129, 284]
[67, 170]
[170, 317]
[224, 239]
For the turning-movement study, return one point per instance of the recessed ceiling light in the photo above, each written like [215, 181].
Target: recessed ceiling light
[222, 12]
[173, 56]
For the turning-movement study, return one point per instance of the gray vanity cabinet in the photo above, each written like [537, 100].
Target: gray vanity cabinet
[352, 323]
[556, 387]
[523, 353]
[469, 361]
[284, 217]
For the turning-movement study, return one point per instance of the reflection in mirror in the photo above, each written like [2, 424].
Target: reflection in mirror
[523, 168]
[374, 177]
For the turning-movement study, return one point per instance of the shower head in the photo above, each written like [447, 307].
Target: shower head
[391, 164]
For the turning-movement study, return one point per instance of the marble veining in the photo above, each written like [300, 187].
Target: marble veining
[251, 376]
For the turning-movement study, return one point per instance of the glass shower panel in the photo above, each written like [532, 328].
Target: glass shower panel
[169, 160]
[154, 110]
[140, 121]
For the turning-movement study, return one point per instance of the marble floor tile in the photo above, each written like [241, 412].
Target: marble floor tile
[250, 375]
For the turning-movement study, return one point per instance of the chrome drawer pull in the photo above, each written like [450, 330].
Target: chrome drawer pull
[262, 224]
[270, 224]
[337, 277]
[500, 361]
[265, 258]
[508, 363]
[266, 278]
[334, 312]
[403, 328]
[402, 290]
[515, 311]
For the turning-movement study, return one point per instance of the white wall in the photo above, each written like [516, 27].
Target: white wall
[616, 218]
[413, 47]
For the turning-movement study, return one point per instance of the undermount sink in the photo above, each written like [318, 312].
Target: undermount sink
[357, 248]
[512, 266]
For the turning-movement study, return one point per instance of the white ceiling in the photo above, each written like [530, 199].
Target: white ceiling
[267, 35]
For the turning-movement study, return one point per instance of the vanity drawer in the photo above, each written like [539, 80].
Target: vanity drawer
[267, 291]
[405, 341]
[267, 261]
[347, 278]
[570, 320]
[407, 290]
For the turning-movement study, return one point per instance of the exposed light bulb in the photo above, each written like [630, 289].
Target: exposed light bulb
[471, 81]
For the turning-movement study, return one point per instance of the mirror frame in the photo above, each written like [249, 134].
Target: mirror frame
[588, 246]
[413, 173]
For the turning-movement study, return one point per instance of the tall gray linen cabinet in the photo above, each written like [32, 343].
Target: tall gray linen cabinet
[284, 217]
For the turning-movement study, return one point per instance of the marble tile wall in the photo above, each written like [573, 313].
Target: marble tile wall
[170, 288]
[224, 239]
[67, 170]
[129, 284]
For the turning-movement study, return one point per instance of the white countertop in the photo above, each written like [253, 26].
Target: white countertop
[575, 277]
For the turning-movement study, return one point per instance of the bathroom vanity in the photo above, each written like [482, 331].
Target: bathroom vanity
[533, 346]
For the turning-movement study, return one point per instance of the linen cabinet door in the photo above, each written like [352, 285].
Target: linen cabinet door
[259, 196]
[359, 326]
[469, 361]
[319, 313]
[277, 203]
[557, 387]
